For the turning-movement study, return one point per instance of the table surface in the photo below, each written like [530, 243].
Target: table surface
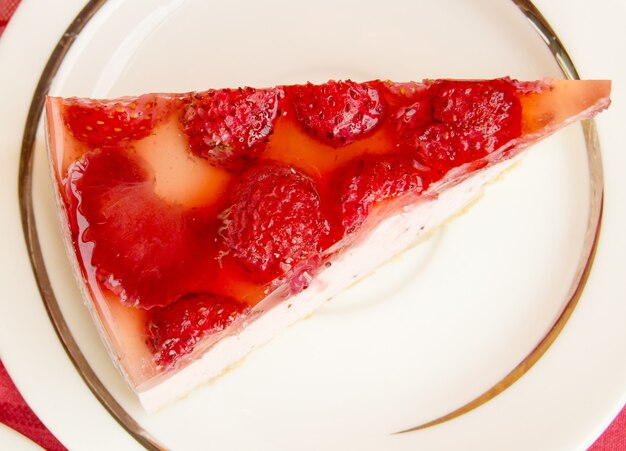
[15, 413]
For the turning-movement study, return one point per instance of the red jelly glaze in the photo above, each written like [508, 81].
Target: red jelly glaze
[100, 123]
[142, 247]
[367, 181]
[456, 122]
[337, 113]
[274, 221]
[173, 331]
[230, 126]
[375, 142]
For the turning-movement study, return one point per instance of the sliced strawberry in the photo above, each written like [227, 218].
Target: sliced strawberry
[338, 112]
[402, 94]
[230, 126]
[367, 181]
[139, 243]
[470, 119]
[174, 331]
[416, 114]
[102, 122]
[438, 147]
[485, 114]
[274, 221]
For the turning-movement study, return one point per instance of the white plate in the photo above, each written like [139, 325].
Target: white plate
[426, 334]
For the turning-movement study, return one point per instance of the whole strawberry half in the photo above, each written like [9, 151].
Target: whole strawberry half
[274, 221]
[173, 331]
[139, 244]
[468, 120]
[367, 181]
[109, 122]
[337, 112]
[230, 127]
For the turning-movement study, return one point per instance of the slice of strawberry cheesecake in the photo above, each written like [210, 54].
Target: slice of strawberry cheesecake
[201, 224]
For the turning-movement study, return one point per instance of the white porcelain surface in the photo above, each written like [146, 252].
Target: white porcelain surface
[425, 334]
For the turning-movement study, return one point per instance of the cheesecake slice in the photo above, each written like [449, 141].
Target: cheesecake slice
[201, 224]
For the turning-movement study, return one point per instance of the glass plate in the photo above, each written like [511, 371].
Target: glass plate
[431, 336]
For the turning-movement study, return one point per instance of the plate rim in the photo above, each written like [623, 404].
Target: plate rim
[104, 1]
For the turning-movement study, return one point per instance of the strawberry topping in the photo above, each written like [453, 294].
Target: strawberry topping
[365, 182]
[470, 119]
[173, 331]
[182, 263]
[337, 112]
[230, 126]
[139, 243]
[100, 123]
[275, 220]
[438, 147]
[401, 94]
